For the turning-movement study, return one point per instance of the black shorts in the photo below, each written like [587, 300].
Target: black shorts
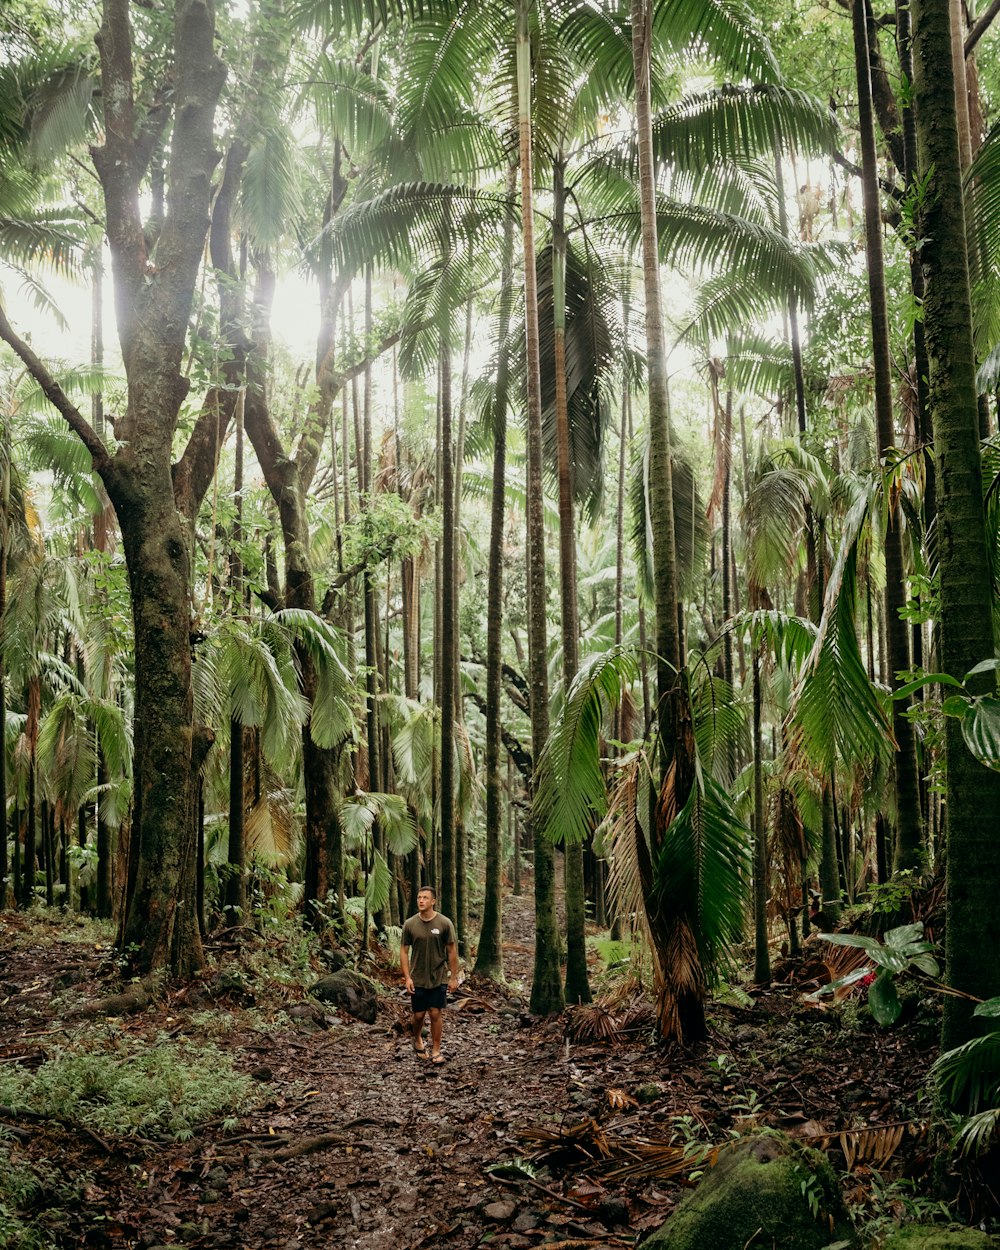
[429, 1000]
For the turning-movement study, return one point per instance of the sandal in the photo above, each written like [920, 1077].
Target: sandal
[438, 1059]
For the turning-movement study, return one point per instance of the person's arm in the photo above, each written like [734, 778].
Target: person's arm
[453, 963]
[404, 964]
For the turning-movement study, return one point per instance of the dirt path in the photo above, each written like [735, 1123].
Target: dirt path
[359, 1145]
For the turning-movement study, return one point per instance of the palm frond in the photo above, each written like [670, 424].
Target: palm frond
[270, 190]
[735, 123]
[410, 221]
[349, 103]
[836, 712]
[969, 1075]
[727, 29]
[331, 716]
[571, 796]
[702, 872]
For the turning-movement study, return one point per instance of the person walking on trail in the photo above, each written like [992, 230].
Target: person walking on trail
[428, 957]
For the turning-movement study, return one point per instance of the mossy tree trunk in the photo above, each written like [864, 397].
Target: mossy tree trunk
[966, 636]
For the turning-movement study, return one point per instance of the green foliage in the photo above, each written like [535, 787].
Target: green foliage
[118, 1086]
[702, 870]
[969, 1077]
[386, 529]
[904, 950]
[571, 796]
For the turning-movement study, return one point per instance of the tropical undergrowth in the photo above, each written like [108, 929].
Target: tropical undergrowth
[112, 1084]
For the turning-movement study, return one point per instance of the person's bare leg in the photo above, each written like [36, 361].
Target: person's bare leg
[435, 1032]
[418, 1029]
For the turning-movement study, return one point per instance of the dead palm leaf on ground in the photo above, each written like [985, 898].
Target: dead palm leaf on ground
[591, 1022]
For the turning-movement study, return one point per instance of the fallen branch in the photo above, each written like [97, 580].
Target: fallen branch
[310, 1145]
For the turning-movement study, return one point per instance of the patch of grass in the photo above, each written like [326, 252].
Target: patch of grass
[127, 1087]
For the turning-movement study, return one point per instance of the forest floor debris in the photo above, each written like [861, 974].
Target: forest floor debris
[340, 1137]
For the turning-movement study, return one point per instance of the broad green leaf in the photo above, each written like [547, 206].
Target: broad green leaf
[990, 1008]
[981, 730]
[883, 1000]
[902, 936]
[929, 679]
[984, 666]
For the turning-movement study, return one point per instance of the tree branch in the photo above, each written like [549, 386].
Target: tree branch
[59, 399]
[520, 756]
[981, 27]
[889, 188]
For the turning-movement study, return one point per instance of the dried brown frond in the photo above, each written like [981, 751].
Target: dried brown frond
[623, 991]
[570, 1143]
[270, 828]
[471, 1002]
[787, 849]
[638, 1016]
[876, 1146]
[663, 1159]
[840, 960]
[666, 804]
[681, 976]
[592, 1022]
[618, 1099]
[624, 853]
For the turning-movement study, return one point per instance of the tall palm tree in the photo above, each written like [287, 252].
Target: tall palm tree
[967, 637]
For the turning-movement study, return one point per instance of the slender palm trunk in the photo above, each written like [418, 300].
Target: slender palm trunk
[489, 956]
[236, 890]
[577, 987]
[682, 1009]
[546, 987]
[909, 832]
[448, 886]
[762, 955]
[973, 791]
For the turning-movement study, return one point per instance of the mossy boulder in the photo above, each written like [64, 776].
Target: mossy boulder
[352, 992]
[939, 1237]
[765, 1193]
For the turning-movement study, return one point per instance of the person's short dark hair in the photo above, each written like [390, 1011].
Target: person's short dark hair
[428, 889]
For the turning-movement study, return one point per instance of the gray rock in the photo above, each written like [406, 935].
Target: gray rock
[350, 992]
[500, 1212]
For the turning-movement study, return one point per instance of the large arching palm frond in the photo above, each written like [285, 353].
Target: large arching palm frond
[444, 286]
[836, 713]
[983, 200]
[348, 103]
[410, 221]
[774, 523]
[726, 29]
[690, 522]
[331, 715]
[571, 794]
[702, 871]
[595, 347]
[721, 731]
[757, 365]
[735, 123]
[271, 187]
[335, 19]
[46, 101]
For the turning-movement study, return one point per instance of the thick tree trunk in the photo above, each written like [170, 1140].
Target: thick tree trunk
[966, 637]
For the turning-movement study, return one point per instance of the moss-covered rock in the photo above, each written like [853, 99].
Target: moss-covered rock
[939, 1237]
[764, 1193]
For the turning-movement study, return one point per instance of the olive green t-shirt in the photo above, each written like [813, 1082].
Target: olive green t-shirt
[428, 941]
